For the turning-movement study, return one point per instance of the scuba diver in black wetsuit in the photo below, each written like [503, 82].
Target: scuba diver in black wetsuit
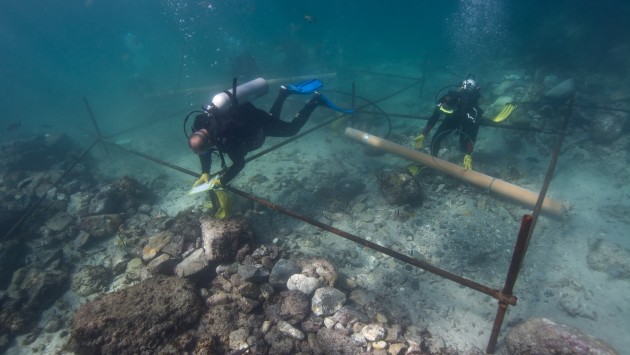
[462, 115]
[242, 131]
[234, 126]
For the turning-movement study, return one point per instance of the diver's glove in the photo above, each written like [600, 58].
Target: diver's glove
[203, 179]
[215, 183]
[468, 162]
[419, 141]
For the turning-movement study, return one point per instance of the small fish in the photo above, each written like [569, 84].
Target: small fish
[13, 126]
[310, 18]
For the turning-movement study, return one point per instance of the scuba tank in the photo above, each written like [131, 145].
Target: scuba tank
[245, 93]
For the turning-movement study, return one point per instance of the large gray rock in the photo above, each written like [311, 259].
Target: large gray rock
[222, 238]
[400, 188]
[327, 301]
[542, 336]
[141, 319]
[193, 265]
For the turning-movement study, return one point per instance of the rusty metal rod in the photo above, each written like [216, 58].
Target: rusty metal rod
[525, 234]
[515, 265]
[98, 130]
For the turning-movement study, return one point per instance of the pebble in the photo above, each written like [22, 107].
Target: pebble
[289, 330]
[329, 322]
[358, 339]
[373, 332]
[302, 283]
[266, 326]
[379, 345]
[381, 318]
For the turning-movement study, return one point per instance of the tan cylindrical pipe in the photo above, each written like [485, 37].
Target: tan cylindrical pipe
[488, 183]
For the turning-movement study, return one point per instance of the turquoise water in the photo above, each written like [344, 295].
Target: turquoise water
[115, 52]
[142, 65]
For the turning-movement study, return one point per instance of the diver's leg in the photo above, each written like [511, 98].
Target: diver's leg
[277, 105]
[445, 128]
[468, 137]
[279, 128]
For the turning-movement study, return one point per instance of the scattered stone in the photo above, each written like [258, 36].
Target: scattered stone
[163, 264]
[543, 336]
[279, 341]
[294, 306]
[91, 279]
[373, 332]
[194, 264]
[253, 273]
[222, 238]
[379, 345]
[100, 226]
[143, 318]
[321, 269]
[82, 239]
[312, 323]
[281, 272]
[576, 300]
[327, 301]
[334, 342]
[396, 348]
[329, 322]
[155, 245]
[358, 339]
[134, 269]
[238, 339]
[266, 326]
[59, 222]
[562, 91]
[291, 331]
[607, 126]
[249, 290]
[348, 315]
[400, 188]
[302, 283]
[610, 258]
[37, 288]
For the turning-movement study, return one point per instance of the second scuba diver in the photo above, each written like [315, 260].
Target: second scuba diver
[462, 115]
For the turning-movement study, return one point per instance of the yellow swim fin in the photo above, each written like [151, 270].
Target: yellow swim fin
[504, 114]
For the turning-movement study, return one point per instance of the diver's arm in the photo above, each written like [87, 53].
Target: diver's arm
[432, 121]
[206, 162]
[238, 163]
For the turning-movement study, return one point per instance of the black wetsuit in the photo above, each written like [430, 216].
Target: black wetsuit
[244, 129]
[464, 120]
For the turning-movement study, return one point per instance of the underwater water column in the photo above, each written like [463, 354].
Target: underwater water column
[476, 30]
